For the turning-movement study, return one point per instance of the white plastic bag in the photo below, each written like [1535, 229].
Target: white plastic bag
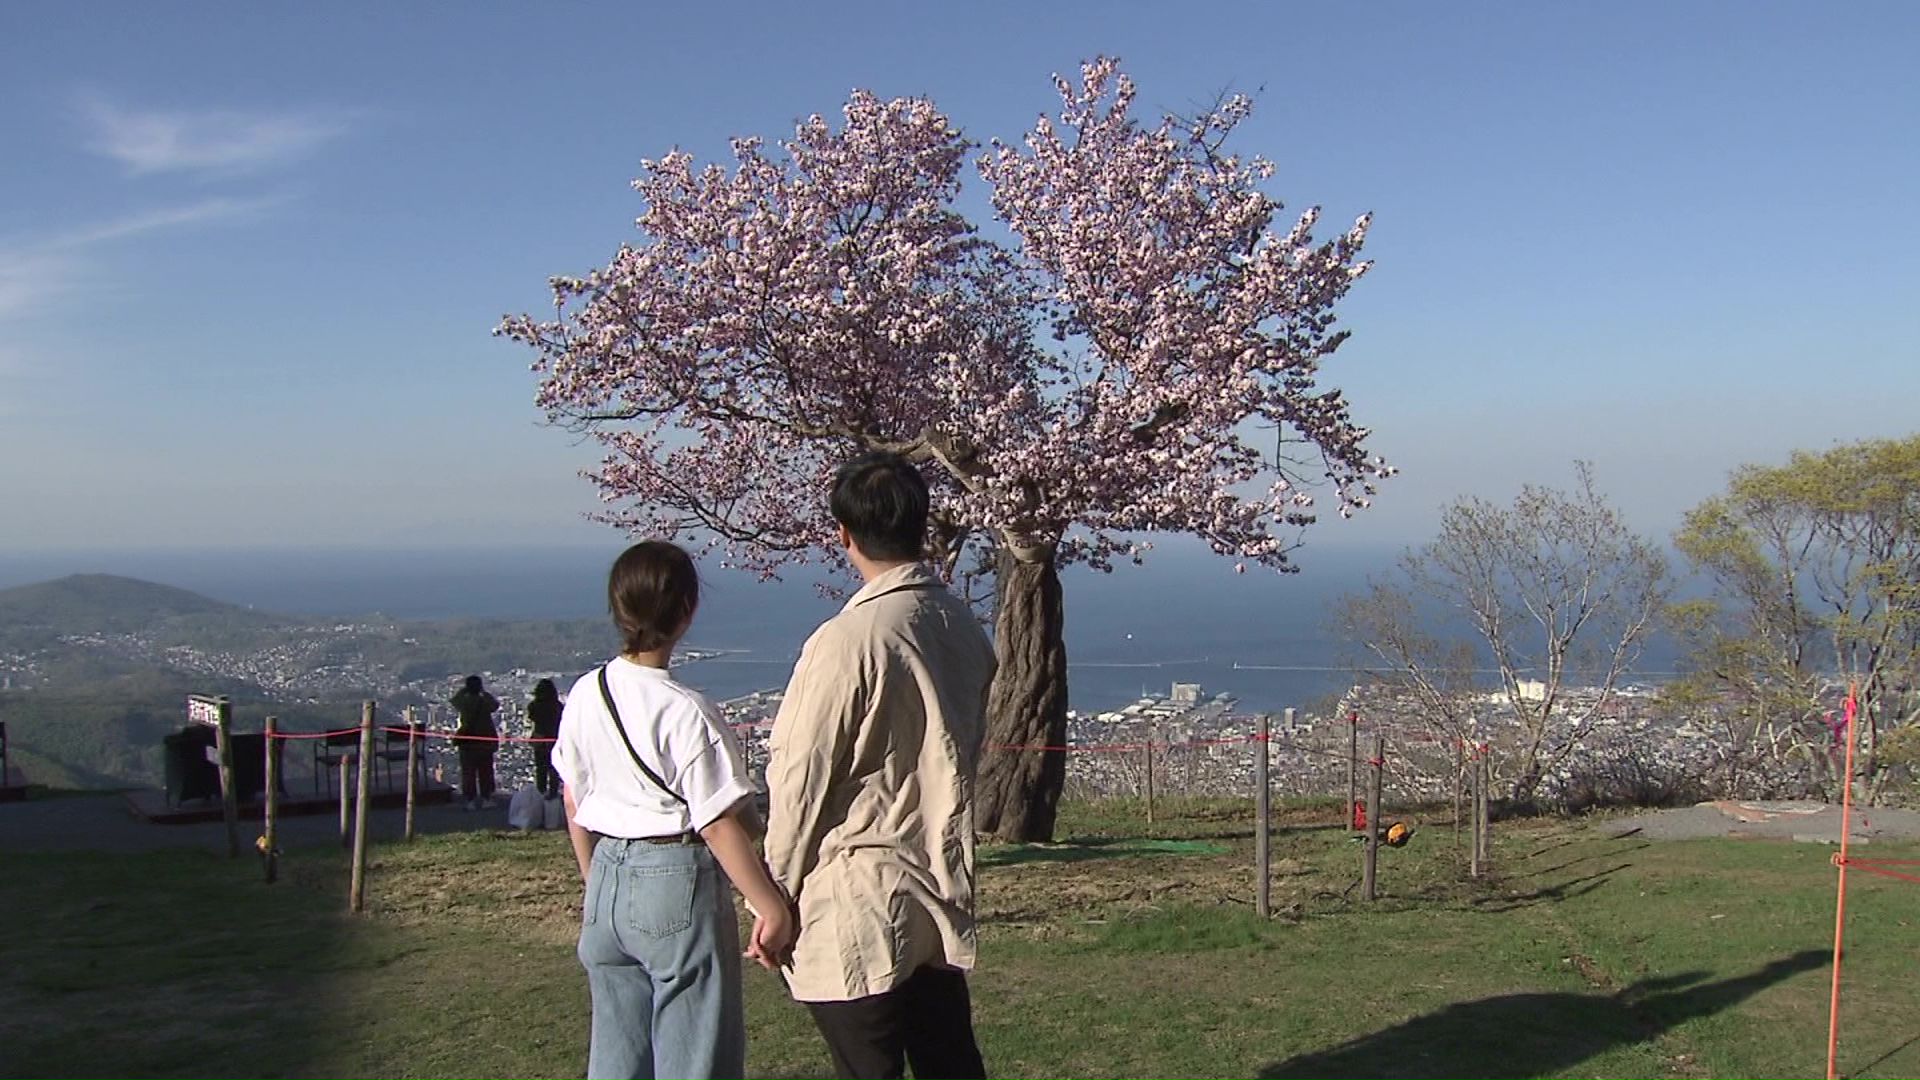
[556, 813]
[523, 810]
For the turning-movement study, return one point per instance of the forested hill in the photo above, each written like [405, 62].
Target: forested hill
[107, 604]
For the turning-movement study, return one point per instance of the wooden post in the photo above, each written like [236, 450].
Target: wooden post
[1486, 813]
[1475, 804]
[1353, 767]
[357, 891]
[1368, 871]
[1481, 827]
[1263, 816]
[1459, 784]
[413, 768]
[229, 798]
[1149, 753]
[269, 837]
[346, 823]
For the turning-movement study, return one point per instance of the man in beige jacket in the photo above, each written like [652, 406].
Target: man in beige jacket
[870, 783]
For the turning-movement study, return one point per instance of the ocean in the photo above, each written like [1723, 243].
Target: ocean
[1185, 617]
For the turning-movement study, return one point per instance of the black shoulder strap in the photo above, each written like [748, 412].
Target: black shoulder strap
[606, 695]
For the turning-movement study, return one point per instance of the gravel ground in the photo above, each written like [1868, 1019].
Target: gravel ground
[1810, 822]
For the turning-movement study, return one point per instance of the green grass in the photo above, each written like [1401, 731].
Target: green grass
[1115, 953]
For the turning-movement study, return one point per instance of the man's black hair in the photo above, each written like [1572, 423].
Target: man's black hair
[882, 501]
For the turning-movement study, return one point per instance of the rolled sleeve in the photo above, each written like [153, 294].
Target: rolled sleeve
[567, 760]
[715, 778]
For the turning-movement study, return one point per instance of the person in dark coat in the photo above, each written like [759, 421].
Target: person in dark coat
[478, 741]
[544, 712]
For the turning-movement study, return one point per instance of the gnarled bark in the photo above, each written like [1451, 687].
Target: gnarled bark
[1017, 793]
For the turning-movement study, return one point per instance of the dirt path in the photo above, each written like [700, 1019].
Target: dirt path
[1806, 821]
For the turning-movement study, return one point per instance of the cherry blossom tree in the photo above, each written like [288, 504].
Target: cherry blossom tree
[1114, 368]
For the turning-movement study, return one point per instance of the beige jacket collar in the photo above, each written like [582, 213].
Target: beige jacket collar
[911, 576]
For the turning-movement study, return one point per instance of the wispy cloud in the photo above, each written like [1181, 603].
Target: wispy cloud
[220, 140]
[35, 272]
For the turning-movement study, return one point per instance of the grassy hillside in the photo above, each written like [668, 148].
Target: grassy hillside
[1113, 954]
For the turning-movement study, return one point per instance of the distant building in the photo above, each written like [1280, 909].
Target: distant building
[1186, 693]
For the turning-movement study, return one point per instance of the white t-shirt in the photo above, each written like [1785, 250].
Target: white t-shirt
[681, 736]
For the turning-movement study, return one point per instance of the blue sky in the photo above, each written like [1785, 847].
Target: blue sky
[250, 254]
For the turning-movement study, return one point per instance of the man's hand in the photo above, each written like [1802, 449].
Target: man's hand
[771, 944]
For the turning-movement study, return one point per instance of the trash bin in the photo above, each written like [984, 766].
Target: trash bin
[191, 773]
[250, 765]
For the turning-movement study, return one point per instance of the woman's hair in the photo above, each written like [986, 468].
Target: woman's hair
[473, 683]
[652, 592]
[544, 690]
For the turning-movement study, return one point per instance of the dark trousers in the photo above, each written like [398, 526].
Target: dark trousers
[545, 776]
[476, 772]
[926, 1021]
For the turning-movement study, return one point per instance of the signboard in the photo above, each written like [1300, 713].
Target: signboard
[204, 709]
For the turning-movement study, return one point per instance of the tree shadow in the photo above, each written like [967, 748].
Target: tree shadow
[1537, 1034]
[1072, 851]
[1564, 890]
[1610, 853]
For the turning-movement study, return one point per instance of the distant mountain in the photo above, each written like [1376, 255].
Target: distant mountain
[97, 667]
[109, 604]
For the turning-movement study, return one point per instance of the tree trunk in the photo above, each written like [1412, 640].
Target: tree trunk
[1018, 791]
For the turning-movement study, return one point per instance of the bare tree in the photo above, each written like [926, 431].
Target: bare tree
[1553, 598]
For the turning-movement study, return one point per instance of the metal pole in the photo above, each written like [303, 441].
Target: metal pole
[229, 798]
[413, 767]
[1263, 815]
[1368, 876]
[357, 891]
[270, 833]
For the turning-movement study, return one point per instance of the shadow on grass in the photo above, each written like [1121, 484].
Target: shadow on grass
[1609, 853]
[1536, 1034]
[1564, 890]
[1073, 851]
[177, 963]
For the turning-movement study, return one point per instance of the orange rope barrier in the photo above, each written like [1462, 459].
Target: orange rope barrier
[291, 735]
[1840, 897]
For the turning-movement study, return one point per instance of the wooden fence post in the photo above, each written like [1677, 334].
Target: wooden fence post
[413, 767]
[1369, 871]
[1473, 815]
[357, 890]
[346, 823]
[1149, 752]
[1486, 813]
[1263, 815]
[1459, 787]
[1353, 767]
[270, 818]
[223, 752]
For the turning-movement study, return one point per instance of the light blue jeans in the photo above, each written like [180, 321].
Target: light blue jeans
[661, 946]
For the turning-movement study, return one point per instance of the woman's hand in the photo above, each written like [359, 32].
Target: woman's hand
[771, 945]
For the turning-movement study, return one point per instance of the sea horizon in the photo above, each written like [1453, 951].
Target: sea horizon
[1186, 616]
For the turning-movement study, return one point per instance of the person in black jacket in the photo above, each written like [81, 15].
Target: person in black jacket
[478, 743]
[544, 712]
